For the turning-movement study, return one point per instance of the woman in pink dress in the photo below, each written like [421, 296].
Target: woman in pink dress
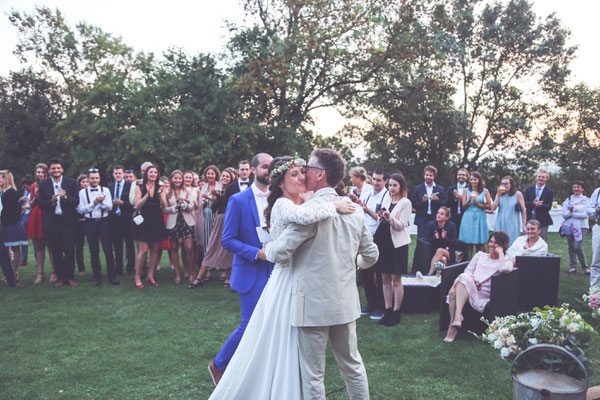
[474, 284]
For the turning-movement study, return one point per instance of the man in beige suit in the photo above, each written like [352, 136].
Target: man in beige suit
[325, 303]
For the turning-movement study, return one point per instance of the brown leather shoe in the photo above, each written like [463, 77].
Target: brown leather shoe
[215, 373]
[72, 283]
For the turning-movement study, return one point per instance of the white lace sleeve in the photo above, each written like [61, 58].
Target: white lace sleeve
[291, 212]
[286, 212]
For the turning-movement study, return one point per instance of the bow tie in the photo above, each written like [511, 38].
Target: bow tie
[245, 183]
[93, 190]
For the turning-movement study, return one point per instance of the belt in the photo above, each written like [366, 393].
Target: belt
[96, 219]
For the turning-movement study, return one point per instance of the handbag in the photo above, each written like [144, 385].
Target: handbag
[518, 207]
[138, 219]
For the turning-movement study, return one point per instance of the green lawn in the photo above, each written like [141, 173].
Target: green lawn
[119, 342]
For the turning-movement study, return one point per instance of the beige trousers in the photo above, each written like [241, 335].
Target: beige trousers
[312, 342]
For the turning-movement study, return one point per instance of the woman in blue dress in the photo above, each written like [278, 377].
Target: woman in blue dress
[512, 209]
[475, 200]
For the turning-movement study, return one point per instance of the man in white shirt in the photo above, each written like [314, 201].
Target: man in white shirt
[593, 210]
[95, 203]
[453, 197]
[370, 278]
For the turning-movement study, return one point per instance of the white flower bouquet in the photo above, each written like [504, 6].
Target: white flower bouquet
[592, 300]
[555, 325]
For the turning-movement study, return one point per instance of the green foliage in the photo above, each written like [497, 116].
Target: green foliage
[118, 342]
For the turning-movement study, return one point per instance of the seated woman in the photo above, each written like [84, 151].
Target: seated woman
[441, 233]
[474, 284]
[530, 244]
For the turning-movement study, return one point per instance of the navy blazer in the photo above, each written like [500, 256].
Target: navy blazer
[421, 206]
[11, 211]
[240, 238]
[126, 208]
[452, 204]
[68, 205]
[542, 213]
[233, 188]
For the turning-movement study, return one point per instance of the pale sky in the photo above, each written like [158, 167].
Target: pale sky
[154, 26]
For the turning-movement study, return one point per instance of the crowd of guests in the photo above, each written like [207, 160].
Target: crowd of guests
[134, 220]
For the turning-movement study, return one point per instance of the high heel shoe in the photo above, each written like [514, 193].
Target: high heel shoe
[139, 285]
[195, 283]
[151, 281]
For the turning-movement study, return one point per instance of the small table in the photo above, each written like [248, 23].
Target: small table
[421, 294]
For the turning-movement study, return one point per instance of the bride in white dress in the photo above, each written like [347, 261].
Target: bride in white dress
[265, 364]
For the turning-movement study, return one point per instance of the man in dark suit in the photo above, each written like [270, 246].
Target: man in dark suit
[538, 202]
[242, 183]
[426, 200]
[120, 221]
[58, 199]
[453, 197]
[249, 274]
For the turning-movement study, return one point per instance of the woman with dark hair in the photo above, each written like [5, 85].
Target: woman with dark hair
[10, 217]
[512, 209]
[392, 238]
[475, 200]
[179, 206]
[474, 284]
[82, 183]
[575, 226]
[34, 229]
[151, 232]
[441, 234]
[216, 256]
[269, 334]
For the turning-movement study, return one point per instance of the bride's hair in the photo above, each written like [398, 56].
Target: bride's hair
[275, 191]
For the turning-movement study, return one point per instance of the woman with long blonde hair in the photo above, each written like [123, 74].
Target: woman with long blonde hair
[10, 217]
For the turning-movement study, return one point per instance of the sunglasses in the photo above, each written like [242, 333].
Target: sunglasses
[93, 170]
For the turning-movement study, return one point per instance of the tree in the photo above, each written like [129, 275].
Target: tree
[463, 83]
[300, 55]
[30, 108]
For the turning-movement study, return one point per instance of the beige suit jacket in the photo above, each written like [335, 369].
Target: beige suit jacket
[187, 211]
[324, 258]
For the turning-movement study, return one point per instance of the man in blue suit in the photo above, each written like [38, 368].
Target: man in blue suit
[249, 275]
[426, 200]
[538, 202]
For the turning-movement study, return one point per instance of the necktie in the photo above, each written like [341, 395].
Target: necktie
[118, 210]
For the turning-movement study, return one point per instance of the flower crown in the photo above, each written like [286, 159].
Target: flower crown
[295, 162]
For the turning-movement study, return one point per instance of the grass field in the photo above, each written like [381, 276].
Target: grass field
[118, 342]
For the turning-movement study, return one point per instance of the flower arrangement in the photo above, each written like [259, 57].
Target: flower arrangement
[592, 300]
[555, 325]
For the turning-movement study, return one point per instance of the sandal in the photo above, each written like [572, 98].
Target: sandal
[226, 284]
[177, 280]
[196, 283]
[39, 279]
[587, 271]
[572, 271]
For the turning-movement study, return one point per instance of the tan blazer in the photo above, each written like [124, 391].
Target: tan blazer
[399, 220]
[324, 258]
[188, 210]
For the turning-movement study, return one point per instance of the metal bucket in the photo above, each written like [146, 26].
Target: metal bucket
[531, 382]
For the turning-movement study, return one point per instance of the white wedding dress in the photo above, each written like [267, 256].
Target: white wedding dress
[265, 364]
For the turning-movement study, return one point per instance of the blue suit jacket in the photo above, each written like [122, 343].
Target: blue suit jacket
[240, 237]
[542, 213]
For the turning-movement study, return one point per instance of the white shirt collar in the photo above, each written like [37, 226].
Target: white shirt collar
[257, 192]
